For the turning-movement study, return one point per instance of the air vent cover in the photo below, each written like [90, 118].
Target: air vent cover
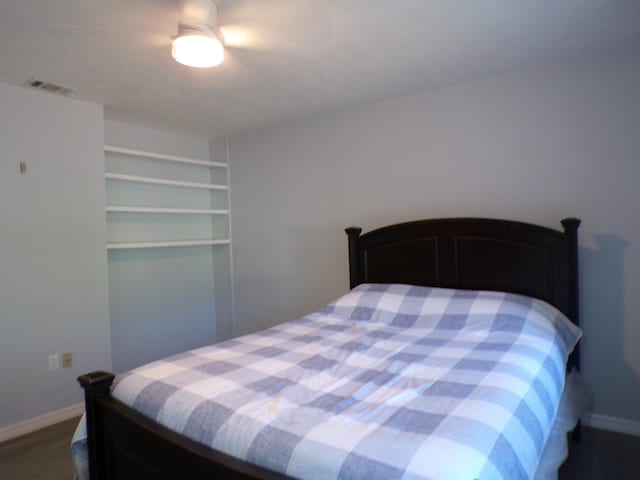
[49, 87]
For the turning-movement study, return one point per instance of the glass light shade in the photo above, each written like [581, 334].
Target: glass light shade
[198, 50]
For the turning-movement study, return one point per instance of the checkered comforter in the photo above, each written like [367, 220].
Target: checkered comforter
[389, 381]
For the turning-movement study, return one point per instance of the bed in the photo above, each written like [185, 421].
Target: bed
[482, 261]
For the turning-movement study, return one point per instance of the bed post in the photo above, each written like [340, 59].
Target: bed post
[570, 226]
[571, 233]
[353, 234]
[95, 385]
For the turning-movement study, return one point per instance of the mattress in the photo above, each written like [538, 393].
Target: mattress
[389, 381]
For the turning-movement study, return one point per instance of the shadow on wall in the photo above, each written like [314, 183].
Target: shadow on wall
[605, 366]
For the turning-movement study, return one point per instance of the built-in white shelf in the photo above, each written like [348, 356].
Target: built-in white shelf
[187, 211]
[112, 177]
[162, 156]
[163, 181]
[164, 244]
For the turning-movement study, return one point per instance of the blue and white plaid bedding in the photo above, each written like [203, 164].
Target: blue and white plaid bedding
[388, 382]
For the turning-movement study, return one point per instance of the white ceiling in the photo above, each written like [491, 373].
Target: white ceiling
[297, 57]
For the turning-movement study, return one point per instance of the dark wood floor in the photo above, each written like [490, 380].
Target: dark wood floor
[45, 455]
[603, 455]
[42, 455]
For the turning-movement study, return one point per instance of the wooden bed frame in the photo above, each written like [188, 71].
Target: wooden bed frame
[467, 253]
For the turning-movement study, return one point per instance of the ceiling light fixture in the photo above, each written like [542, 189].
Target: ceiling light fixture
[196, 44]
[197, 48]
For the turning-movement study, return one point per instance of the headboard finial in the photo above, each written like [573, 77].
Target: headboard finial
[570, 223]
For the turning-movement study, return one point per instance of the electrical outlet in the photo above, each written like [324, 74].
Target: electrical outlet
[67, 360]
[54, 362]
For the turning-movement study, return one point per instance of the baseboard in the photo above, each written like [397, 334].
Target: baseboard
[614, 424]
[42, 421]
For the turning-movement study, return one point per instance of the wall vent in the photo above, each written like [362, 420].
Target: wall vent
[49, 87]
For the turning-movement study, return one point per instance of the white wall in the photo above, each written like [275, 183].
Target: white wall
[222, 255]
[162, 299]
[536, 146]
[53, 276]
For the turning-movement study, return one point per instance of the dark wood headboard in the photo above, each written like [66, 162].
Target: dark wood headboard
[474, 254]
